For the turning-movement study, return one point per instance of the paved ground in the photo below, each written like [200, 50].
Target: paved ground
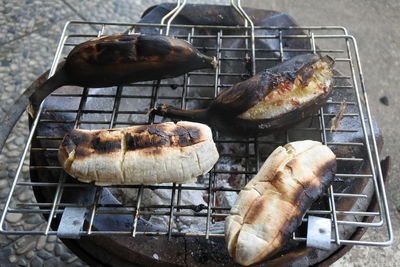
[29, 31]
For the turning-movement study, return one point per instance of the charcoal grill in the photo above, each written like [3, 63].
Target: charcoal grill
[96, 216]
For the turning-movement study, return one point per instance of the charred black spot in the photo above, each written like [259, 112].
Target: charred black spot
[291, 225]
[199, 208]
[306, 75]
[180, 131]
[142, 141]
[67, 146]
[244, 76]
[184, 140]
[328, 172]
[67, 141]
[153, 129]
[78, 138]
[311, 192]
[105, 146]
[328, 168]
[152, 46]
[112, 52]
[194, 133]
[174, 86]
[294, 66]
[290, 75]
[81, 153]
[158, 136]
[159, 140]
[156, 129]
[187, 135]
[134, 142]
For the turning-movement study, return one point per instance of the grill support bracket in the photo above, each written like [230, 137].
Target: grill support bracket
[71, 222]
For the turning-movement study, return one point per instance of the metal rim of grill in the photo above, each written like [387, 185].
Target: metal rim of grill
[314, 34]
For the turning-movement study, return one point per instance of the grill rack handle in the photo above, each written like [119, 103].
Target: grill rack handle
[236, 4]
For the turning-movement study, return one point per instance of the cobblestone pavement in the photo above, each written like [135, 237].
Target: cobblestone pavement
[29, 32]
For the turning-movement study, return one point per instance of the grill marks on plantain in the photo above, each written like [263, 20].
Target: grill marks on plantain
[149, 139]
[145, 154]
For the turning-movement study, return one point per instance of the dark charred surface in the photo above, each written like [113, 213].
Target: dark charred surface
[223, 113]
[310, 193]
[301, 200]
[134, 142]
[246, 94]
[111, 61]
[159, 136]
[77, 138]
[104, 147]
[120, 59]
[86, 143]
[295, 66]
[242, 96]
[68, 142]
[234, 126]
[117, 49]
[145, 47]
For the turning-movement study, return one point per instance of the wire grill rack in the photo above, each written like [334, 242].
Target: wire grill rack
[327, 40]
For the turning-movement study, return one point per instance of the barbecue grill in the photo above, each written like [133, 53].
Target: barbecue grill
[126, 221]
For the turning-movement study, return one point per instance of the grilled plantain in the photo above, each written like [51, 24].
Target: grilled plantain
[148, 154]
[121, 58]
[273, 99]
[110, 61]
[271, 206]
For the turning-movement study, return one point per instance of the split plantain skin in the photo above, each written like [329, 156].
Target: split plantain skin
[273, 99]
[271, 206]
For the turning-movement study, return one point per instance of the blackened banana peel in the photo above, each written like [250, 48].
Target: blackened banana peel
[273, 99]
[111, 61]
[121, 59]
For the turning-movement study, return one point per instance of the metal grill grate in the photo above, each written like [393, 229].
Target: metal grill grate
[252, 152]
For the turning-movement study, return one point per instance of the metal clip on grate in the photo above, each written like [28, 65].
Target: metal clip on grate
[332, 40]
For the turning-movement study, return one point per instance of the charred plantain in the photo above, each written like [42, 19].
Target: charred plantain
[271, 206]
[275, 98]
[121, 59]
[110, 61]
[146, 154]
